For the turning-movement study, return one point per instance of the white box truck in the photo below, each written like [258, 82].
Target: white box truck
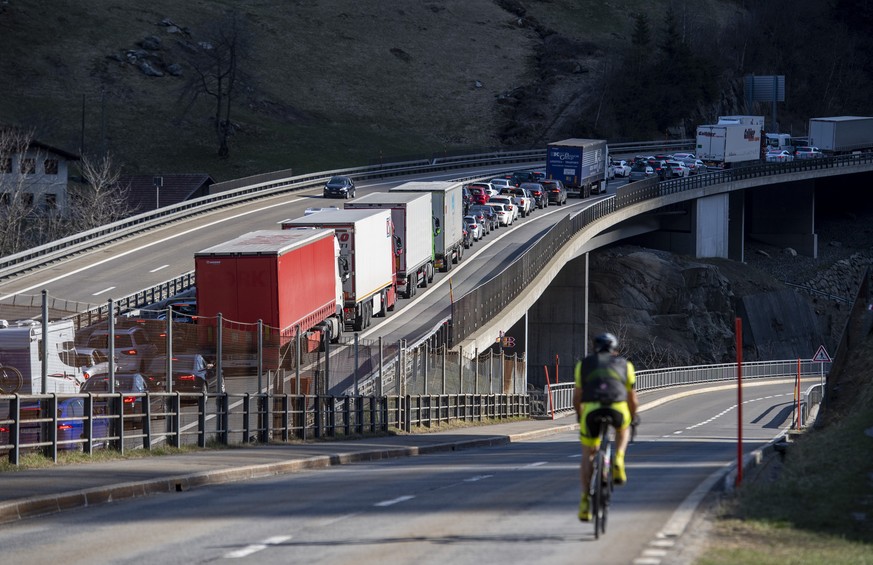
[447, 202]
[841, 134]
[411, 214]
[367, 265]
[21, 358]
[727, 144]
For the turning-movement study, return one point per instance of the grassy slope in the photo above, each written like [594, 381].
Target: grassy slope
[340, 82]
[821, 508]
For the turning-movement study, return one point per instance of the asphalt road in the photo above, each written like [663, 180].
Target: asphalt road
[513, 503]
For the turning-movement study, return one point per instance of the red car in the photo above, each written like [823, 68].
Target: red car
[480, 195]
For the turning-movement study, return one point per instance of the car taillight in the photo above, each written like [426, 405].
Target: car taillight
[186, 377]
[62, 427]
[129, 351]
[129, 399]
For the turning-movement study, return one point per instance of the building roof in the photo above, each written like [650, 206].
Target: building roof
[176, 188]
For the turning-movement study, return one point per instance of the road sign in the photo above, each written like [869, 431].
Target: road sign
[821, 355]
[508, 341]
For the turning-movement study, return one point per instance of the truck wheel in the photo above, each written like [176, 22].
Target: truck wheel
[410, 287]
[460, 254]
[360, 318]
[424, 280]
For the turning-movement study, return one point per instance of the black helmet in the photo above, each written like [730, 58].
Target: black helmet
[605, 342]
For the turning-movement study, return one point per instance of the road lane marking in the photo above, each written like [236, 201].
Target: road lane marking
[102, 291]
[394, 500]
[256, 547]
[159, 268]
[147, 245]
[537, 464]
[477, 478]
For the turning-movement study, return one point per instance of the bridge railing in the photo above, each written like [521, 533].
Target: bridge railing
[474, 309]
[559, 398]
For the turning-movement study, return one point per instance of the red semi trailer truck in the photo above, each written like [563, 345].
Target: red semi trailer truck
[287, 279]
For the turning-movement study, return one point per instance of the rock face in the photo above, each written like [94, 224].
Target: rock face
[672, 311]
[665, 310]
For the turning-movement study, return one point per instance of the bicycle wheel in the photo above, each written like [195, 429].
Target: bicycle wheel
[10, 380]
[608, 485]
[597, 493]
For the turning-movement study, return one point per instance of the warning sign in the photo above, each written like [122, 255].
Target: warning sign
[821, 355]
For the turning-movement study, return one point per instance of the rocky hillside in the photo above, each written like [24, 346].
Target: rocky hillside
[671, 310]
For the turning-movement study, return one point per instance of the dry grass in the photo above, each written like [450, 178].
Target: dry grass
[820, 510]
[337, 84]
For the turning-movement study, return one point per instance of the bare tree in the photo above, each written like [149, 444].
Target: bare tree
[215, 63]
[101, 200]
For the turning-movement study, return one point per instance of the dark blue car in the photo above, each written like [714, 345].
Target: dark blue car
[72, 422]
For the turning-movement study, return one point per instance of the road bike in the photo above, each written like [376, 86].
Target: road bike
[10, 379]
[602, 480]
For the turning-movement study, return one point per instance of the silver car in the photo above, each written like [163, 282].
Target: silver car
[640, 171]
[133, 348]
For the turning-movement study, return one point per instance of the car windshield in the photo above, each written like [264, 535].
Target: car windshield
[336, 181]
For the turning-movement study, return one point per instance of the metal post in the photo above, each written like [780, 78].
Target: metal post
[381, 367]
[219, 330]
[476, 363]
[297, 359]
[325, 380]
[491, 372]
[460, 369]
[424, 364]
[445, 361]
[398, 388]
[43, 348]
[417, 355]
[357, 392]
[111, 347]
[260, 356]
[169, 364]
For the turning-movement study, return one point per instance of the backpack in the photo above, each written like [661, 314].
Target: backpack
[604, 379]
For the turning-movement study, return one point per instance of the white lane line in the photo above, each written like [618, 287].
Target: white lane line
[159, 268]
[147, 245]
[394, 500]
[477, 478]
[99, 292]
[256, 547]
[537, 464]
[577, 456]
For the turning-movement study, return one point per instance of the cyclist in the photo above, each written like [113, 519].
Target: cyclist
[604, 383]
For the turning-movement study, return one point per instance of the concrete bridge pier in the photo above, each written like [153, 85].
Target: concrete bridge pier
[558, 325]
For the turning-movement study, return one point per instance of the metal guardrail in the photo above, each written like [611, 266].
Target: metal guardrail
[102, 235]
[232, 419]
[267, 184]
[559, 397]
[480, 305]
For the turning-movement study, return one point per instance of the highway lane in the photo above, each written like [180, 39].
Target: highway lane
[139, 262]
[131, 265]
[513, 504]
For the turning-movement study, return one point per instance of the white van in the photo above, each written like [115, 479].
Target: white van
[20, 345]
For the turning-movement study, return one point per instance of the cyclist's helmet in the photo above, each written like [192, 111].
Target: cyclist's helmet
[605, 342]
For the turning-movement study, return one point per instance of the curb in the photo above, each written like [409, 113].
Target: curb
[51, 504]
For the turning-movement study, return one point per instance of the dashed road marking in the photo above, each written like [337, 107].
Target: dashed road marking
[256, 547]
[394, 500]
